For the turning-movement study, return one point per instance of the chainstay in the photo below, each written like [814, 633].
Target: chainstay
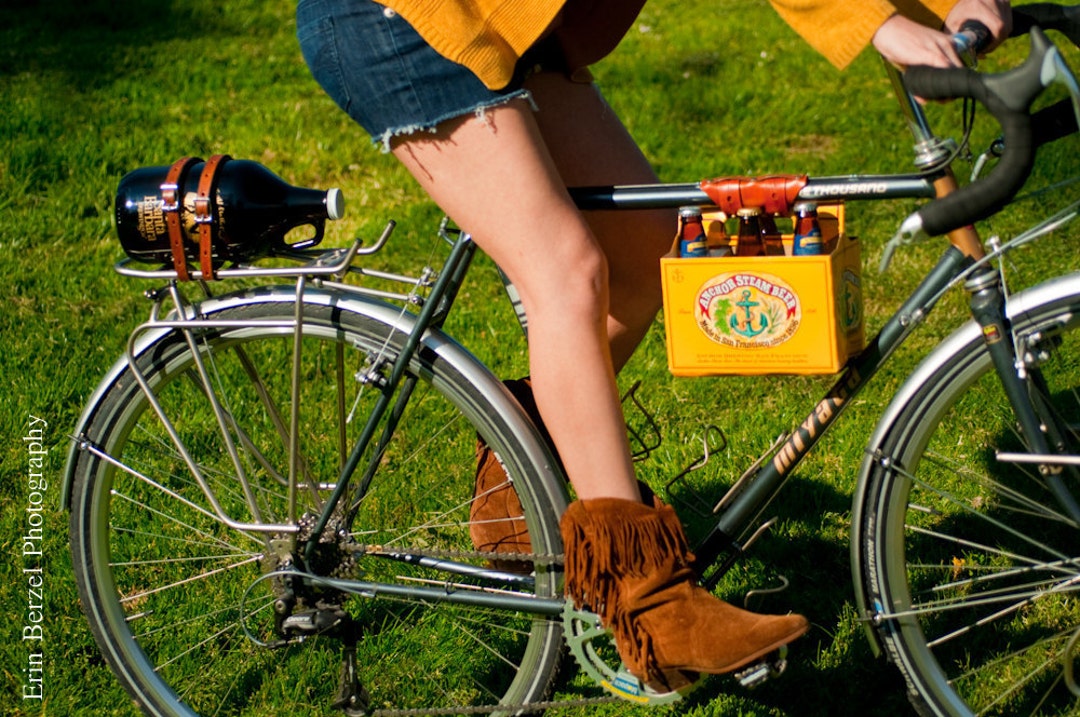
[538, 558]
[488, 709]
[532, 707]
[525, 708]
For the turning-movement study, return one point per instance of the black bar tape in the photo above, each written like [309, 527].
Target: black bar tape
[987, 196]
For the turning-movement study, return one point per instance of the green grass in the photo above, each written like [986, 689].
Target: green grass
[94, 89]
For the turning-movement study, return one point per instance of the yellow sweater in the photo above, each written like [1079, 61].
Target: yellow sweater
[488, 36]
[840, 29]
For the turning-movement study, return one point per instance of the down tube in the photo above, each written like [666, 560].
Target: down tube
[748, 498]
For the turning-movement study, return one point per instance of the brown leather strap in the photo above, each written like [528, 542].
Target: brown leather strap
[204, 213]
[775, 194]
[172, 202]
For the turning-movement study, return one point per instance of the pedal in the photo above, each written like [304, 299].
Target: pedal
[757, 674]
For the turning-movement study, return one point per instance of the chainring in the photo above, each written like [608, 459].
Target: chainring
[593, 646]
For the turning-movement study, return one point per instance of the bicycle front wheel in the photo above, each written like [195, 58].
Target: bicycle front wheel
[189, 546]
[971, 565]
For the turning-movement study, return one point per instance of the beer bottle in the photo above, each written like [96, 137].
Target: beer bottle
[749, 239]
[691, 233]
[716, 237]
[807, 239]
[770, 235]
[252, 208]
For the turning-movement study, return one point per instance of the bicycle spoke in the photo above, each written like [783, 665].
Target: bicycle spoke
[240, 618]
[979, 573]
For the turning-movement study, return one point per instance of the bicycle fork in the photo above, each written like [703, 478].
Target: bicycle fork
[1021, 381]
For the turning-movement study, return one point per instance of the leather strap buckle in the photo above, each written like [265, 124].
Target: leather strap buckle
[204, 212]
[170, 207]
[170, 197]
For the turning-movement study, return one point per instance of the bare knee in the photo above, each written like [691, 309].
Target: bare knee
[571, 288]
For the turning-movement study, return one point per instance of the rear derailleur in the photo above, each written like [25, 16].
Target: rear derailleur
[305, 609]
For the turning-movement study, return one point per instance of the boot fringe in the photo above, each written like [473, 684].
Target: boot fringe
[609, 538]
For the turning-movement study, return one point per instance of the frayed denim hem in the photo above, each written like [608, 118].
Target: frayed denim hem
[480, 110]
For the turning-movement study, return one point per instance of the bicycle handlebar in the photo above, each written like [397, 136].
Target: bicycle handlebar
[1008, 97]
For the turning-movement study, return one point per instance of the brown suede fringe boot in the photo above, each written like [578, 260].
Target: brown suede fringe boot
[630, 563]
[496, 520]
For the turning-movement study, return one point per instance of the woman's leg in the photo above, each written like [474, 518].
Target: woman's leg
[591, 147]
[494, 176]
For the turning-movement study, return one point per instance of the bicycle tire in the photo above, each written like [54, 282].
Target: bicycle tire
[969, 566]
[179, 602]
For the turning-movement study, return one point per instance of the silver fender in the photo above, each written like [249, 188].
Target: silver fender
[436, 341]
[1046, 294]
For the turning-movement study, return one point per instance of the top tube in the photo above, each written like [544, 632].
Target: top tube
[820, 189]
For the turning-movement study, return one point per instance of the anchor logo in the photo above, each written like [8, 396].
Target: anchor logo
[745, 326]
[747, 310]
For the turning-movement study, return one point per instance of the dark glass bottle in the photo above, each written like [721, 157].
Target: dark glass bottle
[807, 239]
[716, 237]
[692, 241]
[749, 241]
[771, 240]
[253, 212]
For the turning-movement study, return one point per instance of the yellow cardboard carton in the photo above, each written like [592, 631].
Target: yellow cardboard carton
[766, 315]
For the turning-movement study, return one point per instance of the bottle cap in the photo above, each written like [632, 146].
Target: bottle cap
[335, 204]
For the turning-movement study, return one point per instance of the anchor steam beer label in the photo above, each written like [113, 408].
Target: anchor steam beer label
[747, 310]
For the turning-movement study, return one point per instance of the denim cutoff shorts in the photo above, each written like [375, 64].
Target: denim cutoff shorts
[376, 67]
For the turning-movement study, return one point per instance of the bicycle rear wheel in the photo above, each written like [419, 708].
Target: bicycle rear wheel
[190, 611]
[971, 566]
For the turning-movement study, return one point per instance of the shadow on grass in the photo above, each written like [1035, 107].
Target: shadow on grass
[832, 669]
[91, 41]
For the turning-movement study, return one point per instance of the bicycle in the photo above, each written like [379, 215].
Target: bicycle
[252, 510]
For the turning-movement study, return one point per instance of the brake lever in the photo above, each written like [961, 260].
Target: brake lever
[995, 150]
[1057, 72]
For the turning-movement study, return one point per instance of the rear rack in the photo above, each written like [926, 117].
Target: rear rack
[325, 267]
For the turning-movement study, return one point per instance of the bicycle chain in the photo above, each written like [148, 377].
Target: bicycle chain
[524, 708]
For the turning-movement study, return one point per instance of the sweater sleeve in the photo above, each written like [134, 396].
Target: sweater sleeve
[841, 29]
